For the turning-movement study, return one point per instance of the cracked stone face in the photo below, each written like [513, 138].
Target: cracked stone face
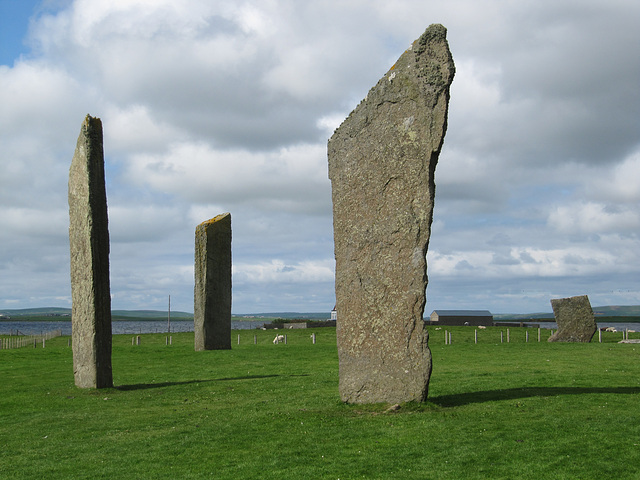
[382, 162]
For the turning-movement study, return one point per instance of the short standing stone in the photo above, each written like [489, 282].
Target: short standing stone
[574, 317]
[382, 161]
[212, 293]
[89, 246]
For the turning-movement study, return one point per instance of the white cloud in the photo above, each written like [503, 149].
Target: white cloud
[292, 178]
[277, 271]
[36, 222]
[132, 129]
[211, 107]
[591, 217]
[618, 184]
[136, 223]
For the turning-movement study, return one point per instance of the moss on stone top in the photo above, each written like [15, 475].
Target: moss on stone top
[215, 219]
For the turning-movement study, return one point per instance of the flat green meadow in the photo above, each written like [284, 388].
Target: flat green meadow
[518, 410]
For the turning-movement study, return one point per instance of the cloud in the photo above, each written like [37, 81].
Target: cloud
[617, 185]
[277, 271]
[132, 129]
[289, 179]
[143, 223]
[226, 106]
[594, 218]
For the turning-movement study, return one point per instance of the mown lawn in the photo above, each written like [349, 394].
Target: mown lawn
[496, 411]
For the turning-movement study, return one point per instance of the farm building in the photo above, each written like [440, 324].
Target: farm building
[462, 317]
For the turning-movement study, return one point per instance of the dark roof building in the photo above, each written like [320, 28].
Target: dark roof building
[461, 317]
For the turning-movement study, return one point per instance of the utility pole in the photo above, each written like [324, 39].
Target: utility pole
[169, 316]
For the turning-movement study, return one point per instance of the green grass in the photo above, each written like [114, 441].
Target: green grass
[495, 411]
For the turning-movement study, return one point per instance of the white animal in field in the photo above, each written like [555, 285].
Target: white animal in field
[481, 327]
[610, 329]
[278, 339]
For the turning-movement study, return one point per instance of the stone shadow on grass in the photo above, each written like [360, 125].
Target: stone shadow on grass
[524, 392]
[143, 386]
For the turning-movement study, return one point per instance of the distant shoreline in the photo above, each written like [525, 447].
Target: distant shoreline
[67, 319]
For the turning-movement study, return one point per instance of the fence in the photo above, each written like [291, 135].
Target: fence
[28, 340]
[522, 335]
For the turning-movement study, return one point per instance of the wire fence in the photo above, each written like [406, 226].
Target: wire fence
[521, 335]
[21, 341]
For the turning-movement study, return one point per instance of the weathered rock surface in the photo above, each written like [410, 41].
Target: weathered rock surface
[575, 320]
[89, 246]
[212, 293]
[382, 161]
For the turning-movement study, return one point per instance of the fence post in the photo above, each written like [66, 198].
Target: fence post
[285, 339]
[255, 339]
[526, 336]
[476, 336]
[313, 338]
[238, 339]
[539, 334]
[508, 336]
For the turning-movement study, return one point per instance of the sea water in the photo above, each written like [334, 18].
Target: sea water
[11, 327]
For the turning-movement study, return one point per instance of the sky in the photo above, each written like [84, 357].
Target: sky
[227, 106]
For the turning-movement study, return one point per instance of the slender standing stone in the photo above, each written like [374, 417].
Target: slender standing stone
[575, 320]
[212, 293]
[89, 245]
[382, 161]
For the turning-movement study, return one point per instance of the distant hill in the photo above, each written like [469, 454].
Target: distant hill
[151, 314]
[45, 312]
[53, 311]
[154, 314]
[618, 310]
[306, 316]
[606, 311]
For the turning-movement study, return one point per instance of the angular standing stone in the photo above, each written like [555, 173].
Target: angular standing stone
[89, 245]
[382, 161]
[574, 317]
[212, 293]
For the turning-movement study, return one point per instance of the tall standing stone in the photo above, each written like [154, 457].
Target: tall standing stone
[381, 165]
[212, 293]
[575, 320]
[89, 245]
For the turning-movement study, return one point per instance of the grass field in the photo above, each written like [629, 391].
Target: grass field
[496, 411]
